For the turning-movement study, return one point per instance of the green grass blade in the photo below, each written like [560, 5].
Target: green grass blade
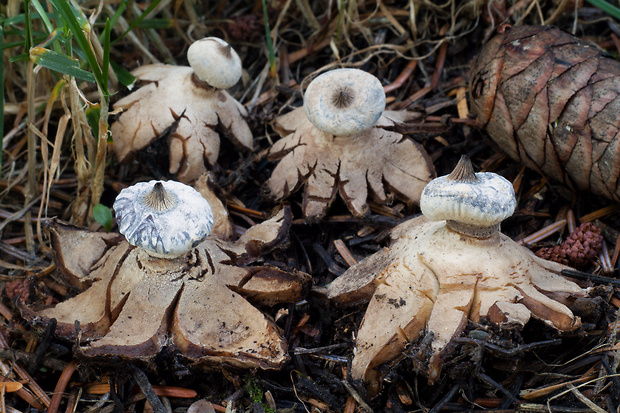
[606, 7]
[9, 45]
[78, 26]
[43, 15]
[270, 51]
[156, 24]
[28, 26]
[106, 55]
[123, 75]
[27, 34]
[139, 19]
[93, 114]
[47, 23]
[119, 12]
[21, 19]
[59, 63]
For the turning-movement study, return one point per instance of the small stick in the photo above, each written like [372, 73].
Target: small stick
[530, 394]
[616, 41]
[73, 400]
[498, 386]
[402, 78]
[614, 257]
[441, 58]
[599, 213]
[147, 389]
[603, 255]
[161, 391]
[350, 406]
[363, 405]
[344, 252]
[543, 233]
[461, 103]
[37, 399]
[468, 122]
[570, 221]
[301, 53]
[600, 279]
[415, 97]
[250, 212]
[63, 381]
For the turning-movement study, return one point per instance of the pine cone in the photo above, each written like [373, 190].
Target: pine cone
[578, 250]
[556, 254]
[18, 288]
[550, 101]
[583, 245]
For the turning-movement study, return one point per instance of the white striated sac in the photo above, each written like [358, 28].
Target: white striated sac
[343, 102]
[485, 202]
[214, 61]
[163, 232]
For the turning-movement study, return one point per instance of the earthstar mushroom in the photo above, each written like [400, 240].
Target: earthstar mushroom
[215, 62]
[188, 106]
[437, 275]
[341, 141]
[170, 292]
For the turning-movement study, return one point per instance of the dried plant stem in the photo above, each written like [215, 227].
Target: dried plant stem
[81, 163]
[90, 154]
[31, 184]
[543, 233]
[614, 257]
[99, 166]
[63, 381]
[402, 78]
[557, 13]
[344, 252]
[308, 14]
[39, 399]
[598, 214]
[604, 258]
[121, 26]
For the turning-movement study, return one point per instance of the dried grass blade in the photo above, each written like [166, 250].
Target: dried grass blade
[529, 394]
[1, 95]
[39, 399]
[585, 400]
[32, 151]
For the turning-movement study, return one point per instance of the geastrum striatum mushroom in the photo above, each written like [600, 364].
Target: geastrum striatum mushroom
[342, 141]
[447, 267]
[188, 102]
[168, 283]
